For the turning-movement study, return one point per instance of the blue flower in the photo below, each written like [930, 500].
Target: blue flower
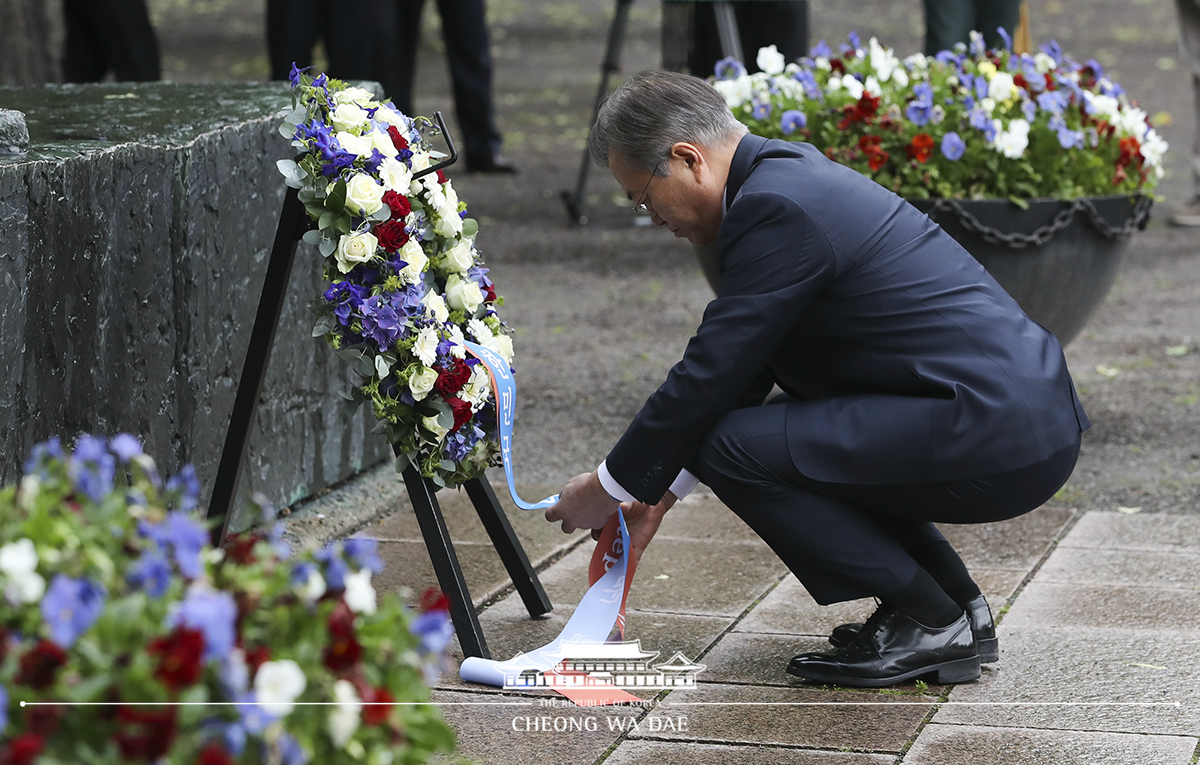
[41, 454]
[811, 88]
[854, 40]
[981, 88]
[3, 709]
[792, 120]
[920, 109]
[380, 322]
[294, 75]
[760, 110]
[335, 568]
[364, 553]
[71, 606]
[1006, 37]
[434, 629]
[301, 573]
[340, 160]
[235, 738]
[948, 57]
[374, 161]
[1096, 68]
[92, 468]
[1053, 101]
[255, 719]
[976, 45]
[125, 446]
[187, 538]
[213, 614]
[188, 485]
[953, 146]
[729, 69]
[151, 573]
[1029, 109]
[290, 750]
[979, 119]
[821, 49]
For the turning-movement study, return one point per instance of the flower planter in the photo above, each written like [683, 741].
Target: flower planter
[1058, 259]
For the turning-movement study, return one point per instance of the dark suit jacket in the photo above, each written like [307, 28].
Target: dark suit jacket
[911, 363]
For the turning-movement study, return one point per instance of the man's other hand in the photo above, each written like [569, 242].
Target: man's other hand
[642, 522]
[583, 504]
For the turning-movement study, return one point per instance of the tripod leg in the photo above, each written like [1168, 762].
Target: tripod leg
[445, 565]
[512, 554]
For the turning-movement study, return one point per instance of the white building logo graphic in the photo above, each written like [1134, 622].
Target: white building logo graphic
[582, 664]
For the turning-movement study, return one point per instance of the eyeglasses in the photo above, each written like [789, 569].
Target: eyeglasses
[638, 205]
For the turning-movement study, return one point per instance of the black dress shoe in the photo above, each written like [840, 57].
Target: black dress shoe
[492, 164]
[892, 648]
[982, 625]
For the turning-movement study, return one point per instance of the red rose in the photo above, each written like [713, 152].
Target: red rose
[452, 380]
[397, 203]
[22, 750]
[391, 235]
[39, 665]
[180, 657]
[434, 599]
[921, 147]
[377, 705]
[344, 650]
[489, 294]
[239, 547]
[399, 141]
[214, 754]
[255, 658]
[461, 410]
[441, 177]
[145, 734]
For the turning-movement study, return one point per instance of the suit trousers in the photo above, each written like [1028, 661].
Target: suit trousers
[1189, 47]
[850, 541]
[354, 53]
[109, 36]
[950, 21]
[464, 30]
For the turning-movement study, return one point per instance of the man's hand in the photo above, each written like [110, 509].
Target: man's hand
[642, 522]
[583, 504]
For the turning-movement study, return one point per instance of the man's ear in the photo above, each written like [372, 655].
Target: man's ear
[692, 156]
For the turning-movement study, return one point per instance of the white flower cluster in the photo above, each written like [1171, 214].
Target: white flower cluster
[18, 563]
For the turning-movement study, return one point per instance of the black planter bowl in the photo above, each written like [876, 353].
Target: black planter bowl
[1058, 259]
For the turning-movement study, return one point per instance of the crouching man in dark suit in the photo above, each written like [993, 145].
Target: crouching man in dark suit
[916, 388]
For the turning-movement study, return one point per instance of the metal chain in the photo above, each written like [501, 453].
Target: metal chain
[1136, 220]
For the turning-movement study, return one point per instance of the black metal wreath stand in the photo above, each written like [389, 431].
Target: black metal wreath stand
[293, 222]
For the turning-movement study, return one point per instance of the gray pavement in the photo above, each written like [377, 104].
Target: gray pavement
[1097, 590]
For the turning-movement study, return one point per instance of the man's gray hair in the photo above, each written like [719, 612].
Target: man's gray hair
[652, 111]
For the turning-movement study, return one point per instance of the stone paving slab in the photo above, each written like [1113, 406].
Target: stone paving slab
[972, 745]
[1015, 544]
[1140, 568]
[642, 752]
[749, 714]
[701, 515]
[1086, 664]
[407, 566]
[486, 733]
[704, 577]
[1105, 607]
[1135, 532]
[790, 610]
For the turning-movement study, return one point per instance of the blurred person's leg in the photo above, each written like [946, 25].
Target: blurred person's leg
[947, 22]
[109, 35]
[353, 32]
[464, 29]
[990, 14]
[1189, 46]
[782, 23]
[292, 31]
[404, 58]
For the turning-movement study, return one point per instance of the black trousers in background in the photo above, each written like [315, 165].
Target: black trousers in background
[105, 36]
[850, 541]
[464, 30]
[356, 36]
[782, 23]
[950, 21]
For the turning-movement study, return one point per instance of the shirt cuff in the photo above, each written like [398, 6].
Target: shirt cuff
[684, 484]
[614, 489]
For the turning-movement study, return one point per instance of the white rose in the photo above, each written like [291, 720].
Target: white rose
[364, 195]
[422, 382]
[463, 294]
[449, 225]
[436, 306]
[770, 60]
[359, 594]
[354, 96]
[502, 344]
[425, 347]
[736, 92]
[389, 116]
[395, 175]
[353, 249]
[382, 142]
[451, 196]
[412, 254]
[348, 116]
[419, 160]
[344, 719]
[355, 144]
[434, 426]
[460, 257]
[1001, 86]
[276, 686]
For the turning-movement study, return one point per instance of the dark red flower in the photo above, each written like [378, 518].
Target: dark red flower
[461, 410]
[3, 643]
[921, 147]
[1020, 81]
[399, 141]
[145, 734]
[836, 65]
[489, 293]
[255, 658]
[180, 657]
[1130, 151]
[22, 750]
[214, 754]
[42, 721]
[441, 177]
[434, 599]
[391, 235]
[39, 665]
[1050, 83]
[397, 203]
[377, 705]
[862, 110]
[452, 380]
[239, 547]
[344, 650]
[876, 156]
